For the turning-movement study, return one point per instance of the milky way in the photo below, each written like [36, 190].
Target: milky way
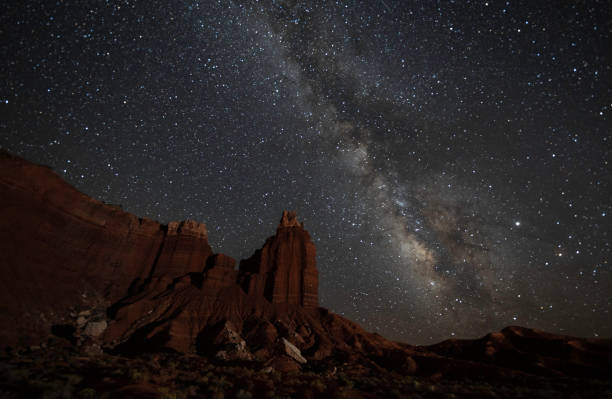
[450, 159]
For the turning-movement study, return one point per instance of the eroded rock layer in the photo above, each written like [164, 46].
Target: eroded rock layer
[61, 250]
[102, 279]
[284, 271]
[279, 282]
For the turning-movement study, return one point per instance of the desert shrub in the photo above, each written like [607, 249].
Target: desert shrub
[344, 380]
[219, 384]
[407, 380]
[166, 393]
[73, 379]
[344, 393]
[242, 394]
[248, 372]
[138, 375]
[171, 366]
[369, 383]
[86, 393]
[15, 377]
[318, 385]
[50, 389]
[393, 394]
[264, 383]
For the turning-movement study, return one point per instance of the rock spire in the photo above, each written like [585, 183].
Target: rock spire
[284, 271]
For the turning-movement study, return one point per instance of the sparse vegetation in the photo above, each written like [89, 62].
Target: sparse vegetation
[59, 373]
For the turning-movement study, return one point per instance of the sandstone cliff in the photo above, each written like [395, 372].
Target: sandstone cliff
[79, 270]
[284, 270]
[62, 250]
[71, 260]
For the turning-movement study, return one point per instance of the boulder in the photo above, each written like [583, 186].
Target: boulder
[292, 351]
[227, 343]
[95, 328]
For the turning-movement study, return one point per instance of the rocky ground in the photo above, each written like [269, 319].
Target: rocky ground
[57, 371]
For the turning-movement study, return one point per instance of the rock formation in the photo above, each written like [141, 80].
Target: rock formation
[284, 270]
[98, 277]
[63, 251]
[534, 352]
[160, 286]
[178, 312]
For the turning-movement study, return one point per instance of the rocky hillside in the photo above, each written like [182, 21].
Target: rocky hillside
[101, 280]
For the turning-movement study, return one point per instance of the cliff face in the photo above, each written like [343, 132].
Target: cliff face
[62, 250]
[98, 277]
[279, 279]
[284, 270]
[90, 272]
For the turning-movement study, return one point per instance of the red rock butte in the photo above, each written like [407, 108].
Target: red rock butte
[76, 269]
[66, 256]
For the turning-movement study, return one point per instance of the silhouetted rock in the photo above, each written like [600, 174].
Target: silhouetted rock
[534, 352]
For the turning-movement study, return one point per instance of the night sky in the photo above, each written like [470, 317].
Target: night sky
[451, 159]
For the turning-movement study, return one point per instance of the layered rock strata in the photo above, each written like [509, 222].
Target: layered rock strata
[284, 270]
[279, 280]
[62, 251]
[98, 277]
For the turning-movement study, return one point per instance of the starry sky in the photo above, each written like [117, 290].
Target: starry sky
[451, 159]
